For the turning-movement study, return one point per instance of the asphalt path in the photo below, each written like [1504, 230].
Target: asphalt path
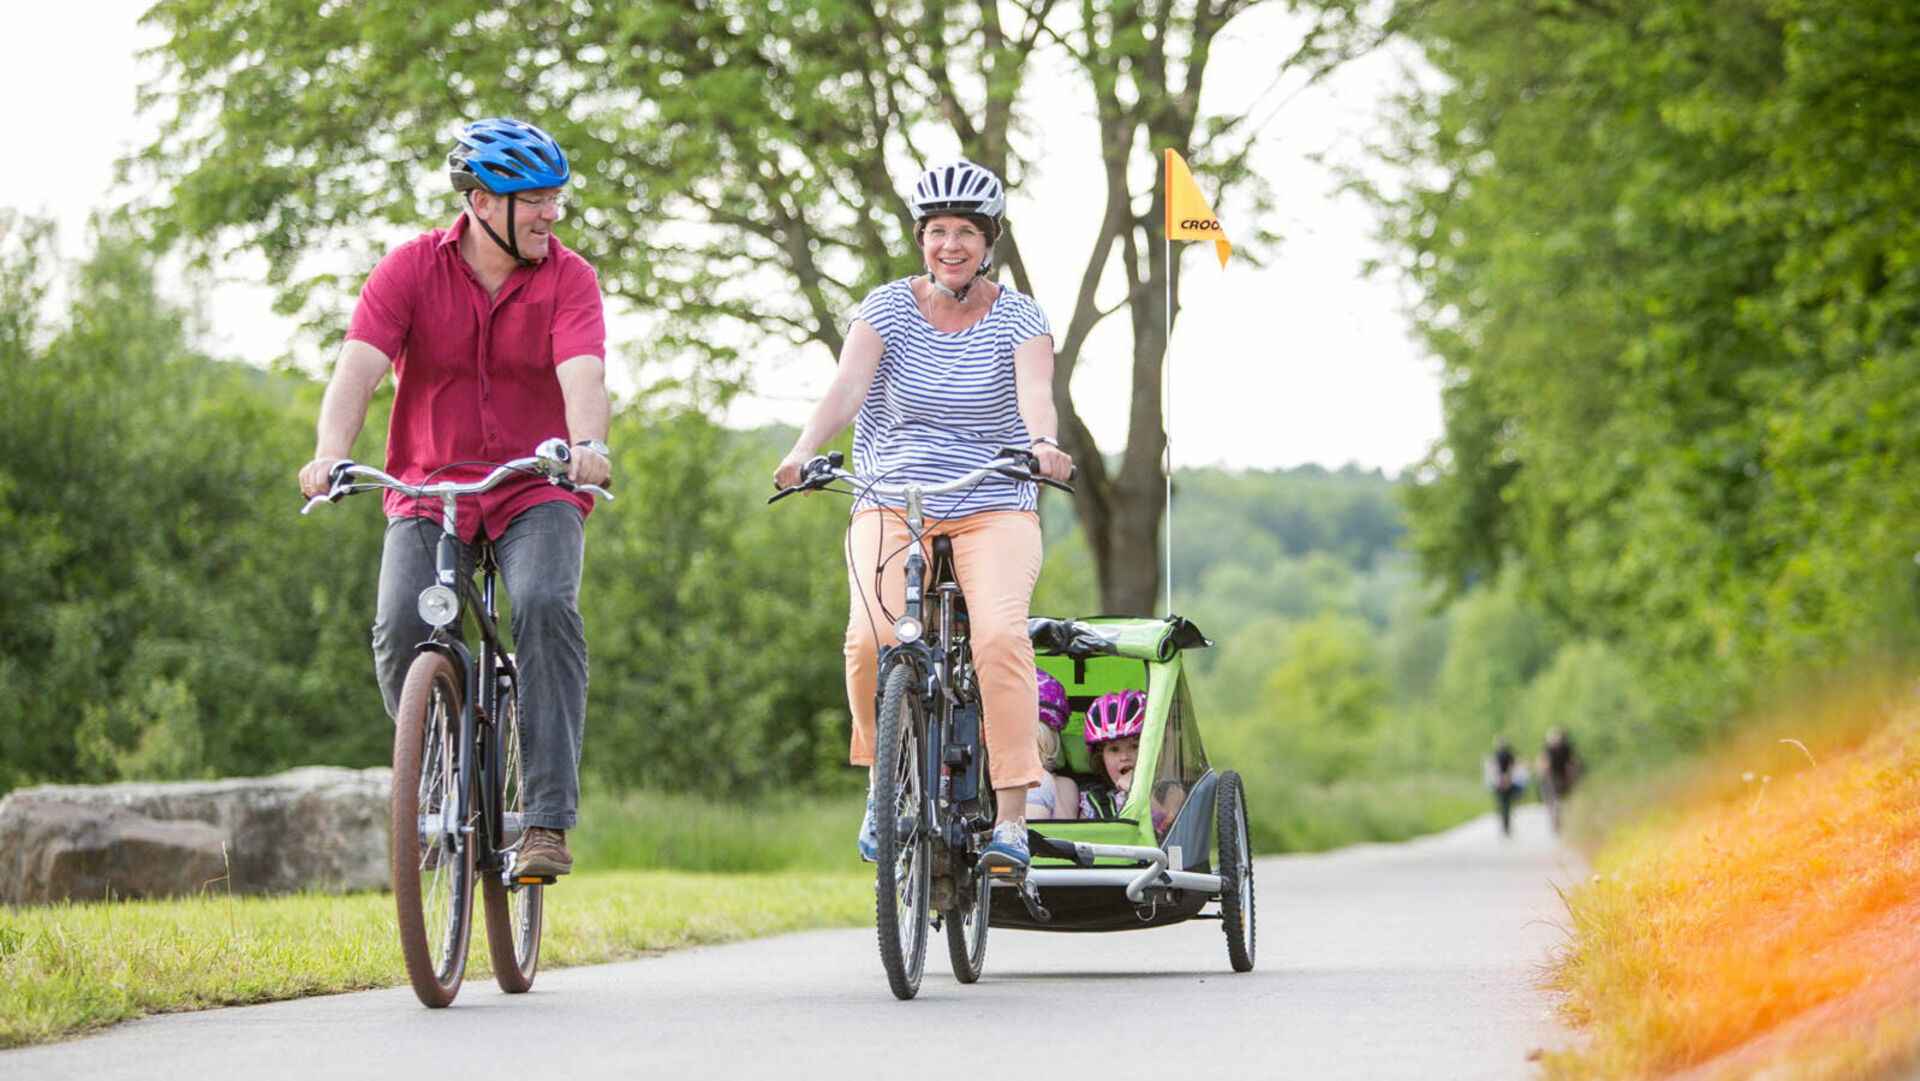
[1417, 960]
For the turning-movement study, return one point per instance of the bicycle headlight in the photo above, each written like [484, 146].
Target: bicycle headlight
[907, 629]
[439, 605]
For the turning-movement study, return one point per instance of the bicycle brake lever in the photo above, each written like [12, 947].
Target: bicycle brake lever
[559, 480]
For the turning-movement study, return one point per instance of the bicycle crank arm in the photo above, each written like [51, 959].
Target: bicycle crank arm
[1030, 897]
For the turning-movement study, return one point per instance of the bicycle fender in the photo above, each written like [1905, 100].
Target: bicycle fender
[457, 653]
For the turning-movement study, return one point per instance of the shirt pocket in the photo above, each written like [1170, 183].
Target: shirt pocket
[523, 337]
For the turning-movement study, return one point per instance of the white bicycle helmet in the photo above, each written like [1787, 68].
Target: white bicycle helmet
[959, 188]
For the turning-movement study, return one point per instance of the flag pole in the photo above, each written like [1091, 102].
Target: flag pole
[1196, 221]
[1166, 413]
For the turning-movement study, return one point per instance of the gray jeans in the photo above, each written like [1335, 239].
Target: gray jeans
[540, 556]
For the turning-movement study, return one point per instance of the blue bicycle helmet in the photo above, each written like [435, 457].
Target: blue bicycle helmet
[504, 156]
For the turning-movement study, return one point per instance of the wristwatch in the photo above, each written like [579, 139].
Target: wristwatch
[595, 446]
[1047, 439]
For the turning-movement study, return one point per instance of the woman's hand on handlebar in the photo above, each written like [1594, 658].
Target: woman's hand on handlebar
[1055, 464]
[788, 474]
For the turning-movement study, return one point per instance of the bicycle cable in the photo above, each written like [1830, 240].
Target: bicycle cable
[428, 544]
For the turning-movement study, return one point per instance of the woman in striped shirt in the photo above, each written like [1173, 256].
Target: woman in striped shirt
[940, 371]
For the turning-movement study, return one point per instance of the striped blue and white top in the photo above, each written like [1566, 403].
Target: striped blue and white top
[941, 404]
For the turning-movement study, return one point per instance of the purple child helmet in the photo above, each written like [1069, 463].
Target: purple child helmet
[1115, 716]
[1053, 702]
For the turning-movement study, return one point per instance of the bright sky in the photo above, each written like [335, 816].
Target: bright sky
[1303, 360]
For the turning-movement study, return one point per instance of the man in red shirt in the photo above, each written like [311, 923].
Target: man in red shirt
[494, 333]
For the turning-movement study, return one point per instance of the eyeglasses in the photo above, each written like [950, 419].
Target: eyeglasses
[541, 202]
[966, 234]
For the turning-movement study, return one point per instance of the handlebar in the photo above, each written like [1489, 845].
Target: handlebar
[1010, 462]
[549, 460]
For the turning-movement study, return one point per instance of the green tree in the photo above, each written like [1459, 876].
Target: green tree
[156, 581]
[1496, 644]
[714, 621]
[1668, 262]
[741, 166]
[1600, 699]
[1324, 699]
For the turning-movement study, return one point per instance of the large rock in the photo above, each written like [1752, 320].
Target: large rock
[316, 828]
[76, 852]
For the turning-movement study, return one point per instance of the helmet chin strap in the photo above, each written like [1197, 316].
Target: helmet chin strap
[510, 245]
[961, 294]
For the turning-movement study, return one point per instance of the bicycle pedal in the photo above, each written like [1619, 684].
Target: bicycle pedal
[533, 880]
[1005, 869]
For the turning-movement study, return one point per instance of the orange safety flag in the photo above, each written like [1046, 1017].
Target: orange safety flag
[1188, 215]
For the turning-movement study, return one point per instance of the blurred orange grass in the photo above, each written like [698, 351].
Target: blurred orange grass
[1740, 916]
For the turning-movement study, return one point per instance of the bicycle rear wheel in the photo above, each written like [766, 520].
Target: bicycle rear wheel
[901, 884]
[1236, 871]
[966, 922]
[513, 914]
[433, 867]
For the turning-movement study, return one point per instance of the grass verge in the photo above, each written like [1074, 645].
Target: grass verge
[1763, 922]
[660, 831]
[68, 969]
[1295, 816]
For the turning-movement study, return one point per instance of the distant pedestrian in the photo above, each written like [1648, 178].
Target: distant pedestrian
[1506, 778]
[1560, 768]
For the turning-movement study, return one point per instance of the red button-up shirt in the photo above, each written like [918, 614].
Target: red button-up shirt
[475, 373]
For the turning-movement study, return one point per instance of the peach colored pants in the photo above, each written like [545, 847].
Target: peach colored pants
[996, 556]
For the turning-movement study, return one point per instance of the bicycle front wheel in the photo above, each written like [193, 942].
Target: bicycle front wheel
[901, 884]
[433, 866]
[513, 913]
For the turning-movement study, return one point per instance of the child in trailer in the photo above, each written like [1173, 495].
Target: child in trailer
[1112, 733]
[1055, 796]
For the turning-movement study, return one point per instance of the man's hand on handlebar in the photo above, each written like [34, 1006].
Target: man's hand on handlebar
[589, 466]
[316, 478]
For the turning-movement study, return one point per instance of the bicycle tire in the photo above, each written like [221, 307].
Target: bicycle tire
[432, 881]
[513, 915]
[967, 930]
[966, 922]
[1236, 871]
[902, 880]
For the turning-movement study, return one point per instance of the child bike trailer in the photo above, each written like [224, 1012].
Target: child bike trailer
[1174, 847]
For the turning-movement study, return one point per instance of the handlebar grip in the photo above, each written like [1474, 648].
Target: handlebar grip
[818, 471]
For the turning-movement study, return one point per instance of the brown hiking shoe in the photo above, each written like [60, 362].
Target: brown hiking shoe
[543, 854]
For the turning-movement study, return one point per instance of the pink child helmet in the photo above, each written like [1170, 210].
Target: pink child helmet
[1053, 702]
[1115, 716]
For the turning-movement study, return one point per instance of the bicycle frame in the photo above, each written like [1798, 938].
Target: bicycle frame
[495, 674]
[935, 660]
[486, 683]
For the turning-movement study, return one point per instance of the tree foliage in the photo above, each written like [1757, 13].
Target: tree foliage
[170, 615]
[1669, 261]
[167, 613]
[741, 164]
